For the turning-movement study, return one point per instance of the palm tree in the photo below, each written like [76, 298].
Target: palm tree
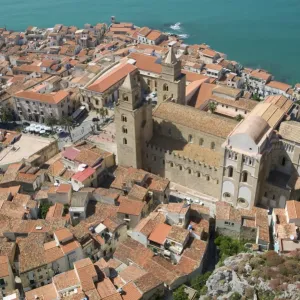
[212, 106]
[239, 117]
[51, 121]
[6, 114]
[102, 112]
[67, 122]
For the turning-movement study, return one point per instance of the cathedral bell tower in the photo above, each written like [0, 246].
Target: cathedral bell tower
[133, 119]
[171, 84]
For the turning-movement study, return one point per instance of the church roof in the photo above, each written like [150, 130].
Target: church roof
[195, 119]
[171, 58]
[256, 127]
[290, 130]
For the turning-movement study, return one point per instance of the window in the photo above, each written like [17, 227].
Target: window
[180, 168]
[207, 178]
[190, 171]
[244, 176]
[230, 171]
[283, 161]
[148, 81]
[198, 174]
[165, 87]
[226, 196]
[171, 165]
[266, 194]
[125, 141]
[97, 102]
[163, 162]
[212, 146]
[124, 118]
[190, 138]
[124, 129]
[273, 198]
[201, 142]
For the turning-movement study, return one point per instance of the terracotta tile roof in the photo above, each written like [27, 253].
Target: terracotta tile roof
[146, 63]
[242, 103]
[209, 52]
[131, 292]
[147, 283]
[52, 98]
[153, 35]
[137, 193]
[130, 207]
[214, 67]
[160, 233]
[261, 74]
[144, 31]
[88, 157]
[32, 253]
[178, 234]
[71, 153]
[286, 231]
[4, 266]
[132, 272]
[131, 250]
[195, 119]
[279, 85]
[111, 78]
[70, 247]
[81, 176]
[65, 280]
[63, 234]
[86, 272]
[53, 253]
[46, 292]
[56, 168]
[55, 211]
[105, 288]
[293, 209]
[280, 101]
[64, 188]
[162, 269]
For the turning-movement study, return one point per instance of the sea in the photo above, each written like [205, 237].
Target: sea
[257, 33]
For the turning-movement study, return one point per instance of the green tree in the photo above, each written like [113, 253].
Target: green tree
[235, 296]
[212, 106]
[239, 117]
[6, 114]
[102, 112]
[66, 209]
[67, 122]
[256, 97]
[43, 209]
[229, 246]
[180, 294]
[51, 121]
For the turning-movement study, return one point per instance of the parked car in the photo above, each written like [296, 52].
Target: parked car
[95, 119]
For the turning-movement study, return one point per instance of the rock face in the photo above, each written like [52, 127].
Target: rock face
[240, 275]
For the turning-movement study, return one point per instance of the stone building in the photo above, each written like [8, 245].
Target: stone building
[245, 163]
[171, 84]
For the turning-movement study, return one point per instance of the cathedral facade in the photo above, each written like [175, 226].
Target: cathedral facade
[252, 162]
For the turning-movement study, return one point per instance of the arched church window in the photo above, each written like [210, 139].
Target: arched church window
[212, 145]
[190, 138]
[201, 141]
[165, 87]
[230, 171]
[124, 118]
[244, 176]
[283, 161]
[125, 141]
[124, 129]
[125, 97]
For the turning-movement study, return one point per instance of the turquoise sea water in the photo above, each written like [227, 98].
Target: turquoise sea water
[257, 33]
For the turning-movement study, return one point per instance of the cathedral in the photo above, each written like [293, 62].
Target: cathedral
[246, 163]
